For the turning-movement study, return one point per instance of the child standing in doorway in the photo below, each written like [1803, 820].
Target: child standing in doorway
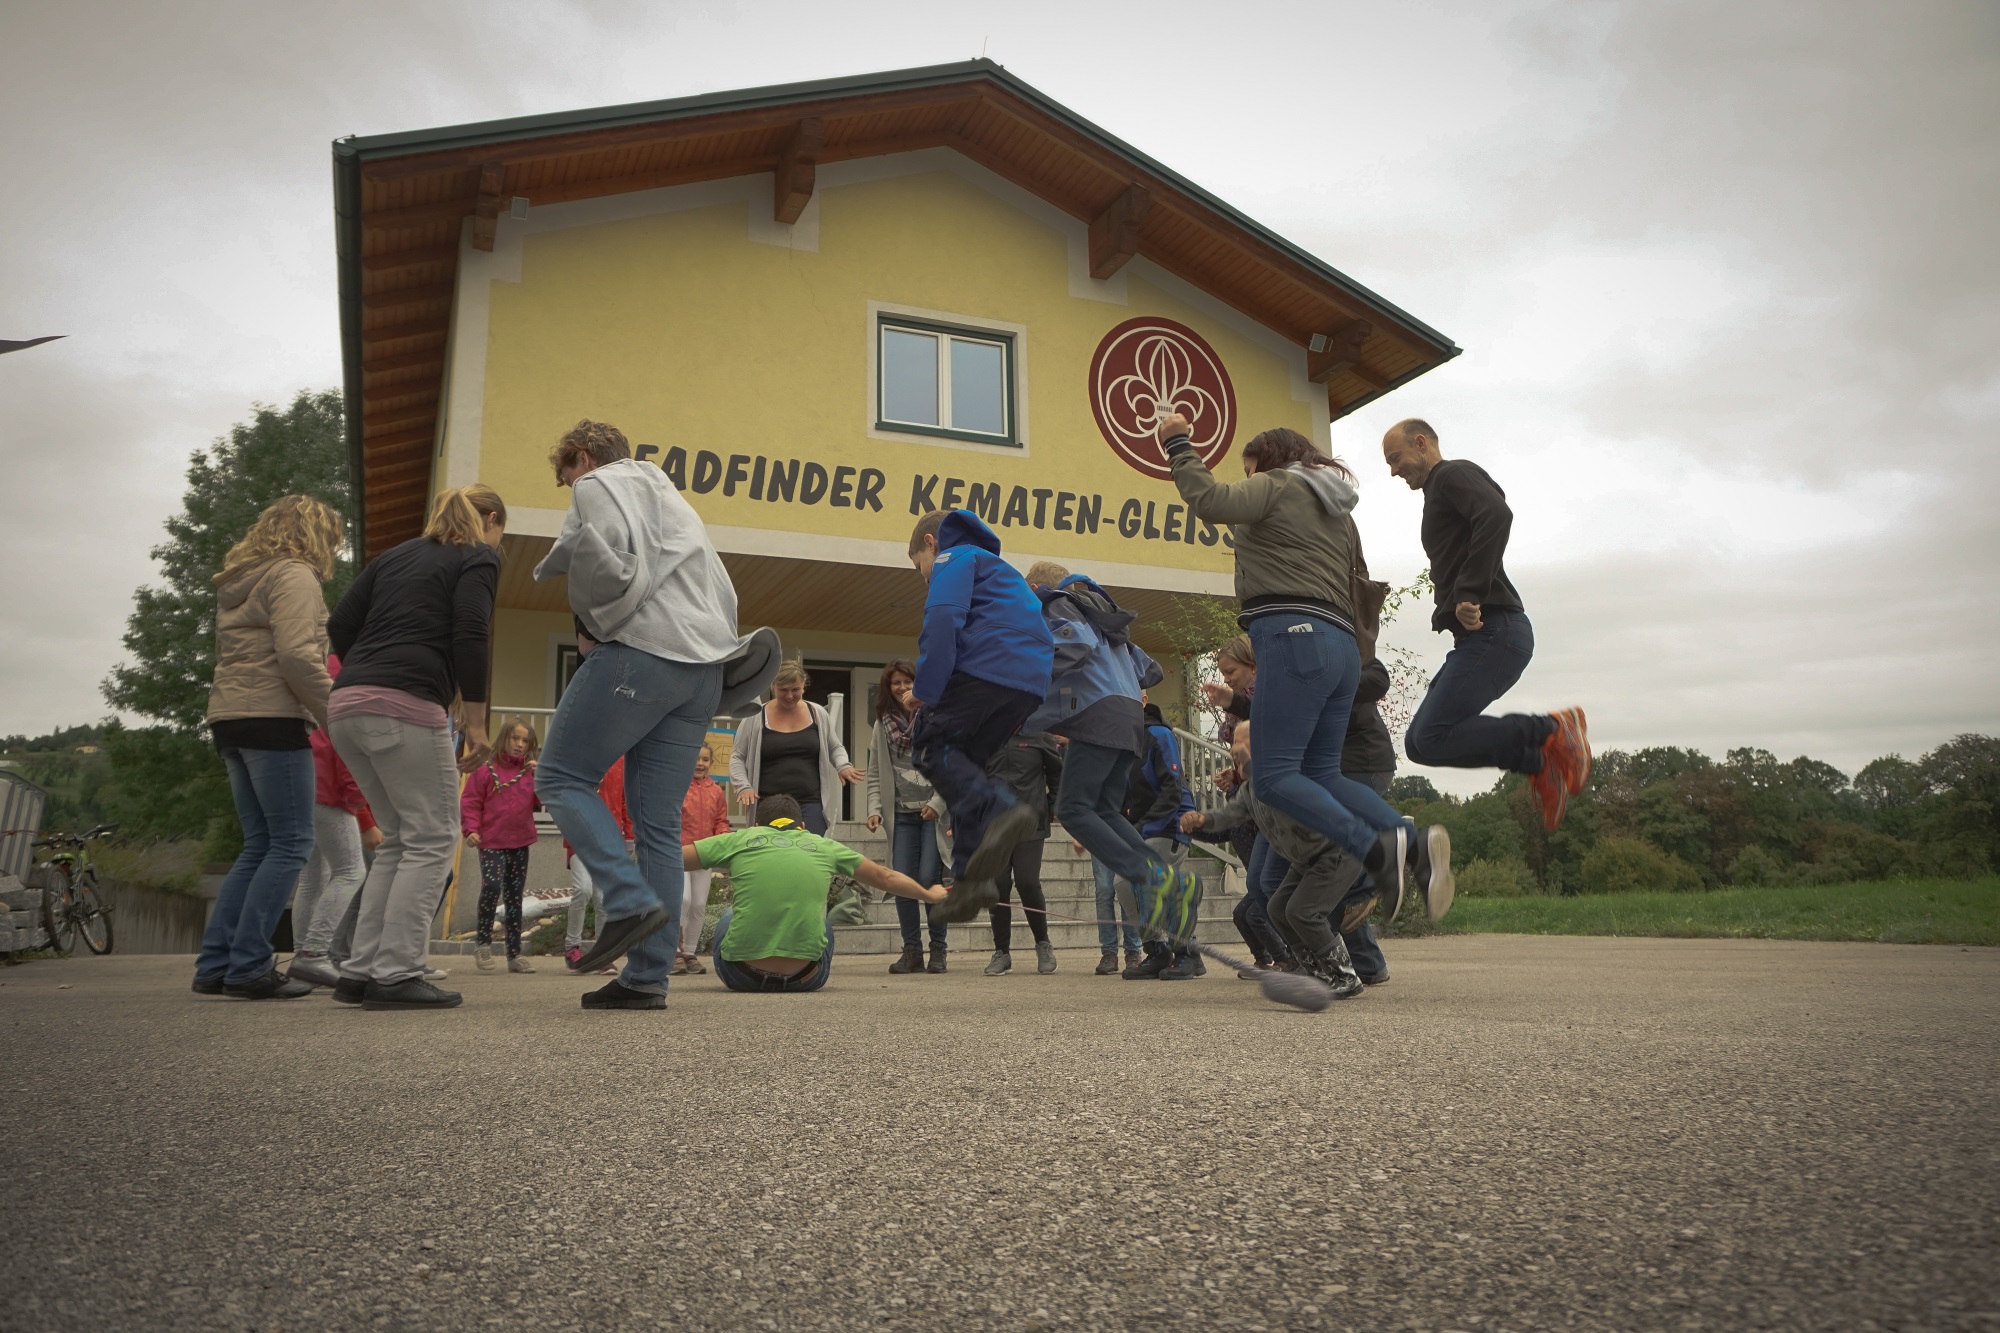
[497, 812]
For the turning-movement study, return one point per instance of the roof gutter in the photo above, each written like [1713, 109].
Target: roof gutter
[347, 248]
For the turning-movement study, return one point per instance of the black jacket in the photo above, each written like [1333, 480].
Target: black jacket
[1466, 522]
[1031, 766]
[419, 619]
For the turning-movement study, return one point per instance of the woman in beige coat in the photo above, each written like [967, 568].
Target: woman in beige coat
[270, 689]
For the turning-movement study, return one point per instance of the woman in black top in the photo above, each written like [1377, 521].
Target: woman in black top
[789, 748]
[412, 633]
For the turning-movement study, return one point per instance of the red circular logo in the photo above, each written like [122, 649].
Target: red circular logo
[1148, 367]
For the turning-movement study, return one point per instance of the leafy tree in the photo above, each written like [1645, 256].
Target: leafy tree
[171, 632]
[1412, 789]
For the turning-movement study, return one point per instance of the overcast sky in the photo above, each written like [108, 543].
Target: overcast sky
[1724, 273]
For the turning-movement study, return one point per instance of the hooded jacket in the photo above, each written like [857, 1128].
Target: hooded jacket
[1098, 671]
[270, 645]
[980, 616]
[1293, 554]
[1157, 795]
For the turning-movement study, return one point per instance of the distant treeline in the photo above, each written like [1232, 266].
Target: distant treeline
[1667, 818]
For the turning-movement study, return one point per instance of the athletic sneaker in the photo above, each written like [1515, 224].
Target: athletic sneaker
[1108, 963]
[572, 954]
[313, 969]
[519, 965]
[1045, 958]
[1550, 787]
[416, 993]
[350, 990]
[483, 957]
[1001, 964]
[435, 974]
[1149, 964]
[1200, 962]
[613, 995]
[1431, 864]
[1356, 910]
[1182, 968]
[1174, 904]
[1385, 864]
[1573, 741]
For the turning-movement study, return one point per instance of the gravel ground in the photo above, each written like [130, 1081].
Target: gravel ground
[1513, 1134]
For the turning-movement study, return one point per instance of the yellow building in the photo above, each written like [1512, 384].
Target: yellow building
[824, 309]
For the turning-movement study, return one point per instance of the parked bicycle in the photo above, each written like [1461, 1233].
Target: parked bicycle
[71, 903]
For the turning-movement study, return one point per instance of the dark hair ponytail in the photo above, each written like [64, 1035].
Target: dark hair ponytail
[1281, 446]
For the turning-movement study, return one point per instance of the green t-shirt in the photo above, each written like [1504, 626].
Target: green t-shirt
[779, 879]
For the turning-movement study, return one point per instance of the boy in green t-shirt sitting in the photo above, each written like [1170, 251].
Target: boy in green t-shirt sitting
[775, 936]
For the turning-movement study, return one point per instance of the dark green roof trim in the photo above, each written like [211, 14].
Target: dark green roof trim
[351, 152]
[347, 248]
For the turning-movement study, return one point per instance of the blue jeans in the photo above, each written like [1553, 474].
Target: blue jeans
[738, 977]
[1362, 947]
[1253, 913]
[1307, 669]
[1108, 911]
[273, 791]
[1450, 730]
[655, 713]
[913, 851]
[1090, 804]
[954, 739]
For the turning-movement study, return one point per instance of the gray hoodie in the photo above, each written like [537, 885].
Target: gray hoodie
[1294, 548]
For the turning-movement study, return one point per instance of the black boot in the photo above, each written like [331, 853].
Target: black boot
[1150, 964]
[1385, 864]
[1181, 968]
[1335, 968]
[911, 961]
[936, 964]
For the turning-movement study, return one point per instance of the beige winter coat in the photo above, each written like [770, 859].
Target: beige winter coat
[270, 645]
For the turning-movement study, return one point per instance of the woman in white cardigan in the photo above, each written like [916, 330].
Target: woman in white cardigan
[789, 748]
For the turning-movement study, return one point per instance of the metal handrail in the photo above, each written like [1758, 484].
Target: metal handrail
[1202, 762]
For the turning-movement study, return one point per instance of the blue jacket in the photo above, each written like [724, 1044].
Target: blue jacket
[1158, 795]
[1099, 671]
[980, 616]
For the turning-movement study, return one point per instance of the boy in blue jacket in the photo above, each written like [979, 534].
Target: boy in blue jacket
[1094, 701]
[982, 669]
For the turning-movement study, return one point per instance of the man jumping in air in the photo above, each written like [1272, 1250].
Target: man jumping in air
[1466, 522]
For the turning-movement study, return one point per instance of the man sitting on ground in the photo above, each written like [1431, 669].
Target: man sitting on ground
[775, 936]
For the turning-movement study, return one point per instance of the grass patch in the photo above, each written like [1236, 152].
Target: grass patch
[170, 867]
[1919, 911]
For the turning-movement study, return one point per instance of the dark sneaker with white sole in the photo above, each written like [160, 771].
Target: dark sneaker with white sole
[1385, 865]
[416, 993]
[612, 995]
[1431, 865]
[1002, 963]
[1045, 958]
[615, 938]
[273, 985]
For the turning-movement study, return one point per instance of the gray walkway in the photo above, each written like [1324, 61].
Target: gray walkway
[1513, 1134]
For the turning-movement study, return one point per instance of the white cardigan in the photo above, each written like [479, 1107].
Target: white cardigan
[746, 758]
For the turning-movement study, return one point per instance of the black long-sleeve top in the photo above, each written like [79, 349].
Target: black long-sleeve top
[1367, 747]
[419, 619]
[1031, 766]
[1466, 522]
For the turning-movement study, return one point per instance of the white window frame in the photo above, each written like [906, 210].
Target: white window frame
[1013, 337]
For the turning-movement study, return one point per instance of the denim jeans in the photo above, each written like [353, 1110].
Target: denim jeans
[273, 791]
[1253, 913]
[738, 977]
[1362, 946]
[913, 850]
[1307, 669]
[1090, 805]
[655, 713]
[955, 738]
[1110, 909]
[1450, 730]
[332, 879]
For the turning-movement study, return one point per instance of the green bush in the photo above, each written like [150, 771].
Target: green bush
[1507, 877]
[1755, 868]
[1631, 865]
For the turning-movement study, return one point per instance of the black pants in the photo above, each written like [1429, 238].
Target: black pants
[1304, 904]
[955, 738]
[503, 873]
[1025, 869]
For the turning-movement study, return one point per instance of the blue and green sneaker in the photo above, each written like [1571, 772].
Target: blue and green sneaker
[1173, 904]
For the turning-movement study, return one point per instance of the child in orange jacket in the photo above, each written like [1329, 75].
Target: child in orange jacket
[704, 814]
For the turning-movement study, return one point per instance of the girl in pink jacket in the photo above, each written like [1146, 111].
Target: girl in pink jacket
[497, 812]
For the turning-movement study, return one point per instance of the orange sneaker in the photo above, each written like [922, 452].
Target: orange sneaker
[1572, 741]
[1550, 789]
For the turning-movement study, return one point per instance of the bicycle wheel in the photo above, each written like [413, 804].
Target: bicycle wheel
[93, 917]
[58, 911]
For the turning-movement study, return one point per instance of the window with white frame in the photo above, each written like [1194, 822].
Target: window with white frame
[937, 379]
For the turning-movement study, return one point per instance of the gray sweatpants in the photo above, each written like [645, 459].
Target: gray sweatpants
[411, 782]
[1303, 905]
[330, 881]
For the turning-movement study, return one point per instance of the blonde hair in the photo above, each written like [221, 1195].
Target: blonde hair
[458, 517]
[1239, 649]
[792, 672]
[599, 441]
[1045, 574]
[293, 527]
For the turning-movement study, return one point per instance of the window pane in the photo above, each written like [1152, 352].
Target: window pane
[909, 377]
[978, 387]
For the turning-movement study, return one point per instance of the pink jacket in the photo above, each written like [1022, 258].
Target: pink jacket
[704, 811]
[499, 805]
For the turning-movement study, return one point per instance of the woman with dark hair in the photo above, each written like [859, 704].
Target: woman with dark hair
[1295, 578]
[902, 798]
[413, 633]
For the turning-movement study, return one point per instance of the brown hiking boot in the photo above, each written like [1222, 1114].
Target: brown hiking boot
[911, 961]
[936, 964]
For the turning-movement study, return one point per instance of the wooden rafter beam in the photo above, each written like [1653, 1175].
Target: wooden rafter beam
[384, 365]
[798, 165]
[416, 215]
[398, 332]
[486, 209]
[1114, 233]
[402, 296]
[391, 260]
[373, 439]
[1340, 350]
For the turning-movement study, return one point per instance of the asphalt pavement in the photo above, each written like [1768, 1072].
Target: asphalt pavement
[1513, 1134]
